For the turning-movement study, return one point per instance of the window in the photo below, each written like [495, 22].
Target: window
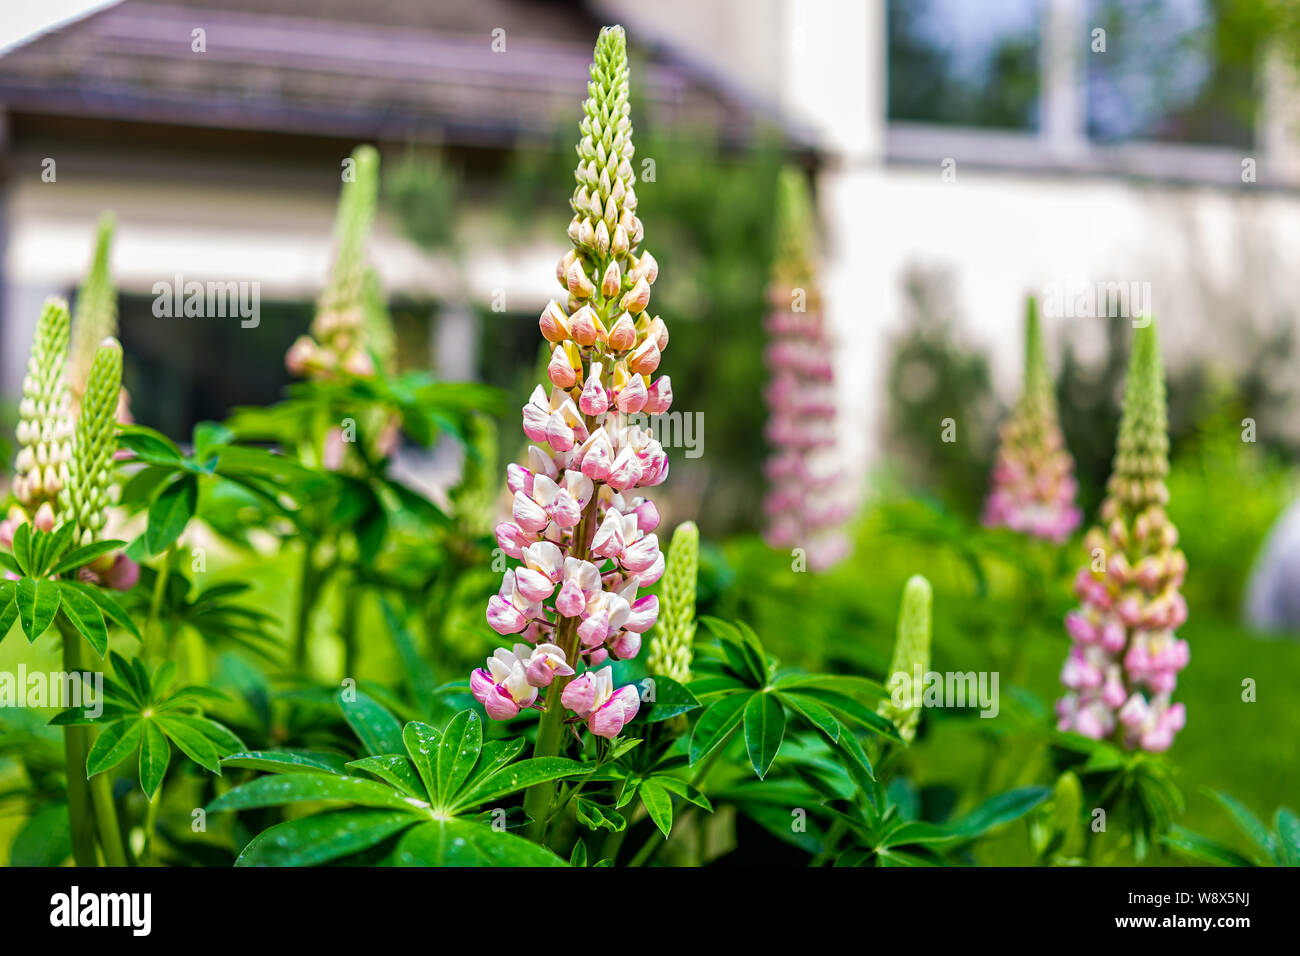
[961, 63]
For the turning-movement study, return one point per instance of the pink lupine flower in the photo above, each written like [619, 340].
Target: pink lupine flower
[1033, 478]
[585, 543]
[805, 505]
[1124, 663]
[593, 698]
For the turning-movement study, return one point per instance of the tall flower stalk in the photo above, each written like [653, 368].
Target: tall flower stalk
[1123, 666]
[584, 539]
[94, 319]
[804, 506]
[1033, 478]
[350, 320]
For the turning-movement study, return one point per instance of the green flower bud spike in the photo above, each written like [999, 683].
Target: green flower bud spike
[88, 493]
[1142, 450]
[346, 317]
[671, 647]
[44, 424]
[95, 316]
[911, 659]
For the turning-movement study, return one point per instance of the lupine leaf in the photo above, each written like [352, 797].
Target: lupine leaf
[282, 789]
[458, 752]
[116, 742]
[377, 729]
[282, 761]
[171, 512]
[327, 836]
[659, 805]
[155, 755]
[764, 731]
[85, 616]
[38, 602]
[716, 723]
[460, 843]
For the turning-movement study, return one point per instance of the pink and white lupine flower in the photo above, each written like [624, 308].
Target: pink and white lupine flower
[805, 506]
[510, 681]
[593, 698]
[585, 542]
[1033, 478]
[1123, 666]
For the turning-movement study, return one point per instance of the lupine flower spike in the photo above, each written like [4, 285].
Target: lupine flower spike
[351, 320]
[94, 320]
[585, 540]
[911, 659]
[805, 506]
[1033, 478]
[672, 645]
[1124, 663]
[87, 494]
[45, 423]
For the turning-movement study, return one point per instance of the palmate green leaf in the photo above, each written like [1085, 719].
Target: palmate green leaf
[1288, 828]
[764, 730]
[716, 723]
[422, 742]
[84, 615]
[659, 806]
[1249, 824]
[284, 761]
[108, 605]
[1193, 845]
[8, 608]
[996, 811]
[496, 754]
[460, 843]
[848, 710]
[149, 445]
[22, 548]
[814, 713]
[171, 512]
[683, 790]
[457, 753]
[191, 741]
[82, 556]
[45, 839]
[116, 742]
[38, 602]
[283, 789]
[155, 755]
[318, 839]
[671, 699]
[395, 769]
[519, 776]
[841, 683]
[48, 546]
[377, 729]
[8, 563]
[595, 817]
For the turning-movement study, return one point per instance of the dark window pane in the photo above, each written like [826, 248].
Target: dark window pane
[963, 63]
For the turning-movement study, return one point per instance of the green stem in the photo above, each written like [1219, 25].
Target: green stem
[308, 584]
[90, 802]
[348, 627]
[148, 855]
[76, 747]
[153, 625]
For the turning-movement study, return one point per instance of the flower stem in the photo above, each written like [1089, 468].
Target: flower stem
[90, 802]
[550, 729]
[151, 643]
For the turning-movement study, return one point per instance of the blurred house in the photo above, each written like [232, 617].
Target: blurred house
[215, 130]
[1084, 150]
